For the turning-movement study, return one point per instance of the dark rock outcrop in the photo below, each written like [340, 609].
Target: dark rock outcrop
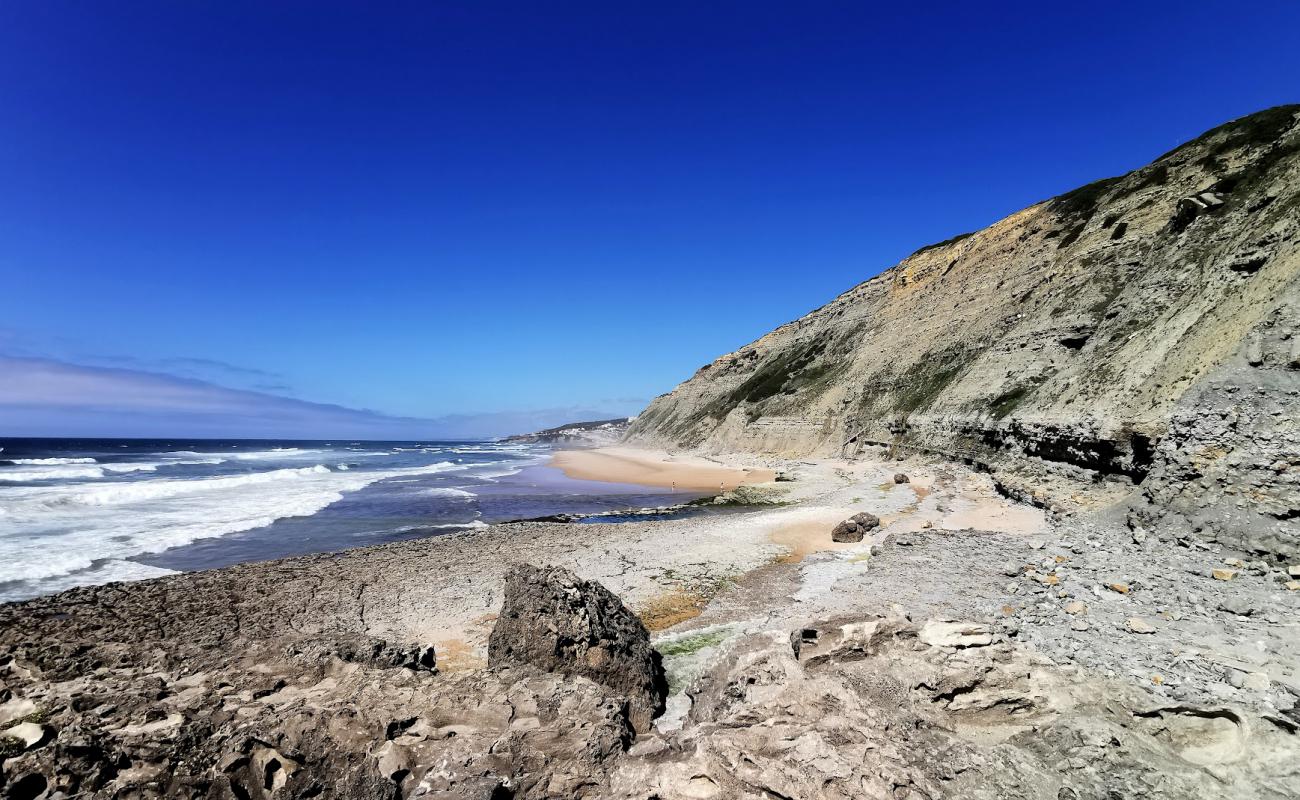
[370, 652]
[555, 621]
[855, 527]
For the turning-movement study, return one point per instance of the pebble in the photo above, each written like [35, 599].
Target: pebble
[1122, 588]
[1075, 607]
[1079, 625]
[1221, 574]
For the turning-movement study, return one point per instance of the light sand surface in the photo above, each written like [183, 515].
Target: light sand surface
[651, 468]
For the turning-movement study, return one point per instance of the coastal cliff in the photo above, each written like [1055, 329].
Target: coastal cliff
[1138, 336]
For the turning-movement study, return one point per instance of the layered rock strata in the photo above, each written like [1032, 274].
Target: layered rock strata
[1141, 332]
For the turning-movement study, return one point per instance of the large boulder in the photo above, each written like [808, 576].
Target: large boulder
[855, 527]
[553, 620]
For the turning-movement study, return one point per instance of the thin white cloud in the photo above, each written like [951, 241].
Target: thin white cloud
[47, 397]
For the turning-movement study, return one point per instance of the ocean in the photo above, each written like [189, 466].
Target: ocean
[77, 512]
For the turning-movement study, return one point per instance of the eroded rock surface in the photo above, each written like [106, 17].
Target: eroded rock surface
[888, 708]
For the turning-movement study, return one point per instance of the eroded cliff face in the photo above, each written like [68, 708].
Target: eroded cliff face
[1141, 331]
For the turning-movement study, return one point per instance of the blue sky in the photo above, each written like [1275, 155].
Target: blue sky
[431, 209]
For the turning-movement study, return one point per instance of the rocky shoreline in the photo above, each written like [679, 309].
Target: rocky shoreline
[967, 646]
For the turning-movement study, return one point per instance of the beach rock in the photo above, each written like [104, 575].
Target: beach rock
[854, 528]
[555, 621]
[901, 478]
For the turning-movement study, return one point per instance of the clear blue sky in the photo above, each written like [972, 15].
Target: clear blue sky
[438, 208]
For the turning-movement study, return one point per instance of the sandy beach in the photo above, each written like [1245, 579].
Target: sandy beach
[655, 468]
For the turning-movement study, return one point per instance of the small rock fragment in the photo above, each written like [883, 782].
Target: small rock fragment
[1122, 588]
[1221, 574]
[901, 478]
[1237, 605]
[1257, 681]
[1075, 607]
[1140, 625]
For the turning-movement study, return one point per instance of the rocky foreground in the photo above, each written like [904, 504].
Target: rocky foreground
[965, 646]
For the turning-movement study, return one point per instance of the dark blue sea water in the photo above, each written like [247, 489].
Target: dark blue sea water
[87, 511]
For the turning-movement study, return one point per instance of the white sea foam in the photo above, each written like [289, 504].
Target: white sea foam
[493, 474]
[494, 450]
[71, 469]
[114, 570]
[60, 473]
[47, 532]
[447, 491]
[274, 454]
